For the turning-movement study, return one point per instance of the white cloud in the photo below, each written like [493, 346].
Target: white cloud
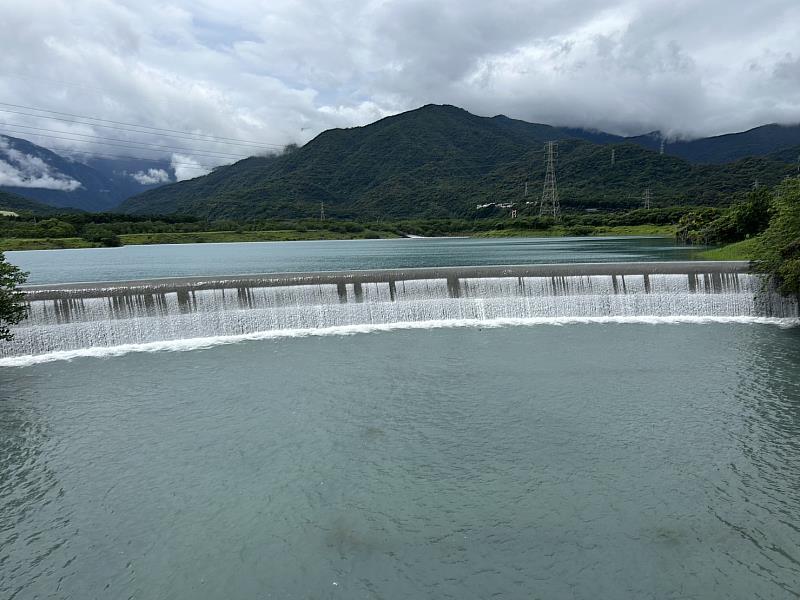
[186, 167]
[151, 176]
[283, 71]
[19, 169]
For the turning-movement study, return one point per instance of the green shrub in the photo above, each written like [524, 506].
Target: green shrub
[778, 249]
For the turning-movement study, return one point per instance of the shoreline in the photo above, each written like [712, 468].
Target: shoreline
[210, 237]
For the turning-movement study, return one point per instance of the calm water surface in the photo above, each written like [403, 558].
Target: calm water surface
[144, 262]
[593, 461]
[585, 461]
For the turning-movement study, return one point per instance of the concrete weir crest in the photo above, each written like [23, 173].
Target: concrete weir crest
[89, 315]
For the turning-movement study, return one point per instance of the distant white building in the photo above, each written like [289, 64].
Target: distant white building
[495, 204]
[8, 213]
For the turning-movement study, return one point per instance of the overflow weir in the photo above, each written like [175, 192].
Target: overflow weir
[69, 317]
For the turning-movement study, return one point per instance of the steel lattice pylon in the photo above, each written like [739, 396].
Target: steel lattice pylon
[549, 204]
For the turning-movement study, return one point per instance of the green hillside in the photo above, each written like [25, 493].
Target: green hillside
[18, 204]
[441, 161]
[730, 147]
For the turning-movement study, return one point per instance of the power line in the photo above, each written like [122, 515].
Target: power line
[144, 145]
[56, 137]
[97, 137]
[177, 137]
[86, 117]
[159, 161]
[197, 136]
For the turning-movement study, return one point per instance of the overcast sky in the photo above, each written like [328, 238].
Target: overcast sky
[280, 71]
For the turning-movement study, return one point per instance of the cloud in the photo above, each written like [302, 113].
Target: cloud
[151, 176]
[186, 167]
[19, 169]
[262, 75]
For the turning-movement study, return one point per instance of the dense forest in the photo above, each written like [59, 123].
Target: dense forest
[442, 162]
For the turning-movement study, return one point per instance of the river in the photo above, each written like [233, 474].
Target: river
[179, 260]
[547, 459]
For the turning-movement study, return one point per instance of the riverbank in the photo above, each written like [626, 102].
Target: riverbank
[200, 237]
[7, 244]
[286, 235]
[743, 250]
[620, 230]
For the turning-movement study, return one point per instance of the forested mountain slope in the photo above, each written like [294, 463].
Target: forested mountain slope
[443, 161]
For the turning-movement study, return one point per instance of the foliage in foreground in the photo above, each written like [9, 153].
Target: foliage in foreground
[745, 218]
[12, 306]
[778, 249]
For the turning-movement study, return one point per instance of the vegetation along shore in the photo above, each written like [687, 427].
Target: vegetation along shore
[28, 231]
[762, 226]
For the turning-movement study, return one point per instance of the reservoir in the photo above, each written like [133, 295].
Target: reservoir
[181, 260]
[447, 434]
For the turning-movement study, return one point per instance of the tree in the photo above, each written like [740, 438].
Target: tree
[778, 251]
[12, 305]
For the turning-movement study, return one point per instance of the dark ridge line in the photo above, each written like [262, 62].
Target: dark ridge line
[181, 284]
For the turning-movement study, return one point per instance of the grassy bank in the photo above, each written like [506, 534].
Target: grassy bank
[285, 235]
[737, 251]
[621, 230]
[7, 244]
[201, 237]
[280, 235]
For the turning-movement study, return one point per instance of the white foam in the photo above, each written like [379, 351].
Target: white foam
[199, 343]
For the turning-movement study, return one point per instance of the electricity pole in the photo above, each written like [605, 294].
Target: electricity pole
[321, 211]
[550, 204]
[646, 198]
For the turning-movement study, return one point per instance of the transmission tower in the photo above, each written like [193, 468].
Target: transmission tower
[613, 156]
[661, 150]
[321, 211]
[525, 194]
[549, 204]
[646, 198]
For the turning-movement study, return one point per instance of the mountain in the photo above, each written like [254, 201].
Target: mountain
[760, 141]
[18, 204]
[789, 155]
[444, 161]
[37, 173]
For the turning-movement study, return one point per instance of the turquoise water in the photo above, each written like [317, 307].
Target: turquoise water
[147, 262]
[579, 460]
[584, 461]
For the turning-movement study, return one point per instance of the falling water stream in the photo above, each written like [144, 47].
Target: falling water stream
[75, 317]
